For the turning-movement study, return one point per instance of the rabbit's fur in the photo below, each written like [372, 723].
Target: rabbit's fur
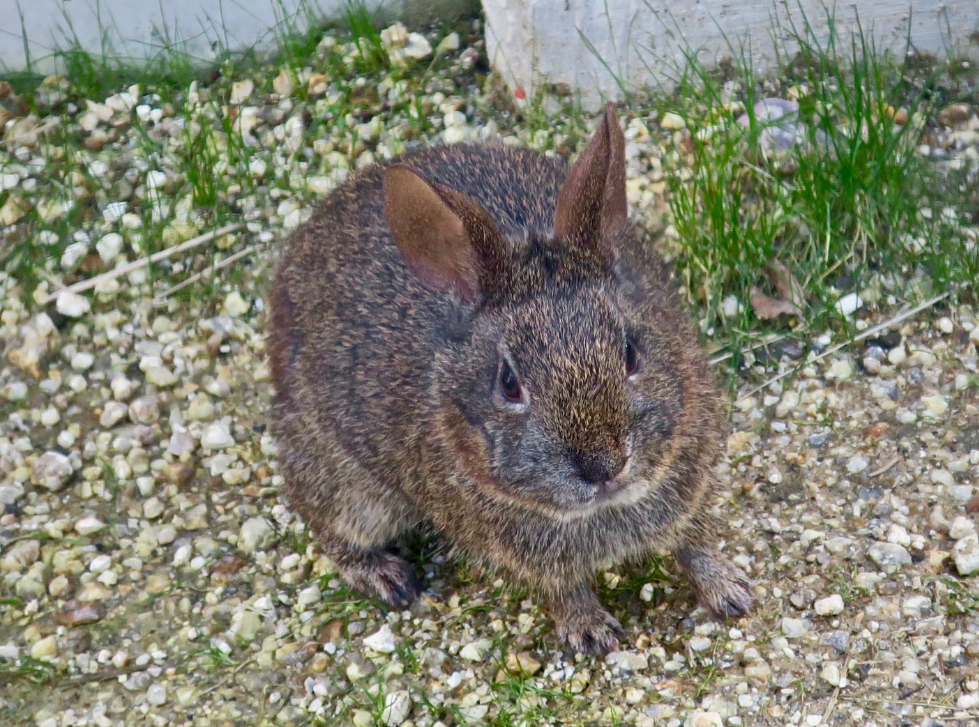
[477, 337]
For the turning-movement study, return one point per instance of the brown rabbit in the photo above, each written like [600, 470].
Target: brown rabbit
[477, 337]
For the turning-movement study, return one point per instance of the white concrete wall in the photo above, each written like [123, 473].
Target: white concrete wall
[572, 41]
[140, 28]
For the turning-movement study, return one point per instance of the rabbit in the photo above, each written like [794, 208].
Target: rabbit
[476, 337]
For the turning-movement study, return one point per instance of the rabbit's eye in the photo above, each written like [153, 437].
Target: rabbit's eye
[509, 384]
[631, 358]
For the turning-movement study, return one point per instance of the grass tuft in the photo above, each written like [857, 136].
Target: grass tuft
[855, 206]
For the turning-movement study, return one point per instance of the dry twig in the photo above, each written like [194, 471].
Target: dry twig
[143, 262]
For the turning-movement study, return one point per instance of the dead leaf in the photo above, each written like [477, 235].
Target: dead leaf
[786, 284]
[768, 308]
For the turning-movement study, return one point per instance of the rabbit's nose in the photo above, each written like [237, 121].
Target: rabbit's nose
[600, 468]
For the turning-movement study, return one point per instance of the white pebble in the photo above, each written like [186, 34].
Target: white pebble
[476, 650]
[156, 695]
[255, 534]
[82, 361]
[72, 304]
[936, 405]
[109, 246]
[672, 121]
[100, 563]
[397, 707]
[962, 527]
[217, 436]
[849, 304]
[966, 555]
[113, 413]
[381, 641]
[898, 535]
[235, 305]
[51, 470]
[88, 525]
[831, 674]
[794, 627]
[830, 606]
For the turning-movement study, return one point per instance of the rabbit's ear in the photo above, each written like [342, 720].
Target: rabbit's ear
[593, 199]
[446, 238]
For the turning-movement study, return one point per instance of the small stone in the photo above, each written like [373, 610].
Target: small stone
[898, 535]
[889, 556]
[840, 370]
[627, 660]
[241, 91]
[448, 44]
[856, 465]
[113, 413]
[255, 534]
[89, 525]
[82, 361]
[51, 470]
[942, 477]
[317, 84]
[76, 613]
[308, 597]
[257, 168]
[758, 671]
[966, 556]
[672, 121]
[235, 305]
[831, 674]
[936, 405]
[897, 355]
[72, 304]
[706, 719]
[46, 649]
[181, 445]
[849, 304]
[122, 388]
[397, 707]
[476, 650]
[945, 325]
[145, 409]
[794, 628]
[381, 641]
[200, 409]
[283, 85]
[152, 508]
[830, 606]
[160, 377]
[217, 436]
[15, 391]
[20, 556]
[522, 664]
[100, 563]
[871, 365]
[245, 624]
[418, 46]
[156, 695]
[109, 247]
[961, 527]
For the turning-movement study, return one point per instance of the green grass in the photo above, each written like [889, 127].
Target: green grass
[854, 208]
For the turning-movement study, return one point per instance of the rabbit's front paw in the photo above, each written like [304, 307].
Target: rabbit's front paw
[583, 625]
[382, 575]
[721, 587]
[597, 632]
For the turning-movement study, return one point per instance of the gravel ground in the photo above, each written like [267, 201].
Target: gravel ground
[150, 573]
